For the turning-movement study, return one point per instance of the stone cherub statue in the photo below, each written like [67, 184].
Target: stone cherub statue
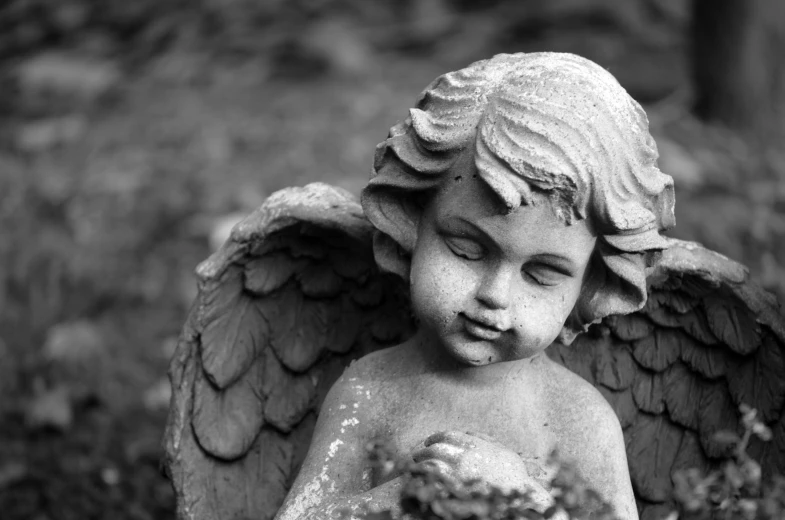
[517, 207]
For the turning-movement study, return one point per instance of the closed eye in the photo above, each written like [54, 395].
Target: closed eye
[544, 274]
[465, 247]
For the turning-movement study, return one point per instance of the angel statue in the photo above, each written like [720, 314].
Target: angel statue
[502, 288]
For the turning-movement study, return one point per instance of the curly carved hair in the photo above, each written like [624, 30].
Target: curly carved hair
[546, 124]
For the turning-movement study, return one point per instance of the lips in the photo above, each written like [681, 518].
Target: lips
[481, 329]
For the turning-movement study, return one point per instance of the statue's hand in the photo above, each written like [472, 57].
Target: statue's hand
[466, 456]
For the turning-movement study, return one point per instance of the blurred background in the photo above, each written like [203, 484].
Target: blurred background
[133, 134]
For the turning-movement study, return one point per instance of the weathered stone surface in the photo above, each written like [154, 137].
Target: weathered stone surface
[518, 204]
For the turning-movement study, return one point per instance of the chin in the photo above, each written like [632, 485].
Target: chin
[475, 353]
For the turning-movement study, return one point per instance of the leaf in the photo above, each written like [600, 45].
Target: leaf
[157, 397]
[220, 229]
[711, 362]
[613, 364]
[759, 380]
[265, 274]
[630, 327]
[658, 351]
[733, 324]
[647, 391]
[50, 409]
[716, 412]
[226, 422]
[69, 74]
[652, 446]
[300, 329]
[319, 281]
[71, 343]
[11, 473]
[40, 136]
[234, 328]
[682, 391]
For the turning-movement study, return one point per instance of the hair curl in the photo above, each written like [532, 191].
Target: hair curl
[551, 124]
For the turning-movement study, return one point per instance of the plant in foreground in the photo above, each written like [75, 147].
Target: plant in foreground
[735, 491]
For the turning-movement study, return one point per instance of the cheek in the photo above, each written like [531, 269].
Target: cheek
[540, 317]
[439, 287]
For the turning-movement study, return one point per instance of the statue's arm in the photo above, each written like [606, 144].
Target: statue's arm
[602, 459]
[336, 475]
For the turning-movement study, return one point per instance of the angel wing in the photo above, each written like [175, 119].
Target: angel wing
[676, 372]
[294, 296]
[283, 308]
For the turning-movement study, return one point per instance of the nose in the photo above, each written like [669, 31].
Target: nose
[495, 287]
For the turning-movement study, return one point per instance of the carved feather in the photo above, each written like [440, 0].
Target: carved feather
[647, 391]
[706, 341]
[265, 274]
[299, 329]
[319, 280]
[613, 365]
[760, 379]
[227, 421]
[717, 412]
[652, 443]
[682, 393]
[623, 403]
[658, 351]
[630, 327]
[233, 329]
[711, 362]
[294, 296]
[732, 324]
[283, 307]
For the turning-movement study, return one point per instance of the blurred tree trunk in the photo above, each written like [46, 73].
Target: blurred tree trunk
[739, 64]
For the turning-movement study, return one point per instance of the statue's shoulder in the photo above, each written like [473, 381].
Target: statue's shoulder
[372, 370]
[572, 399]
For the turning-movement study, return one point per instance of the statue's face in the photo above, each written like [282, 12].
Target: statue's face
[489, 286]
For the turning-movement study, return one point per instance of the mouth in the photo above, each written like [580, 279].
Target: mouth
[481, 330]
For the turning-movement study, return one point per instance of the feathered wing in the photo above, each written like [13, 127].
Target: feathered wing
[676, 372]
[283, 307]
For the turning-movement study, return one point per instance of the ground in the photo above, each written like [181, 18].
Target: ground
[109, 203]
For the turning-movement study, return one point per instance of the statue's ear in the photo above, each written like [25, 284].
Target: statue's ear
[615, 284]
[396, 214]
[390, 256]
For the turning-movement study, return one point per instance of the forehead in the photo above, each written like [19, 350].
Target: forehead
[465, 201]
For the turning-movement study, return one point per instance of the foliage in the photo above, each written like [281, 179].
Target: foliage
[429, 495]
[736, 490]
[733, 492]
[106, 225]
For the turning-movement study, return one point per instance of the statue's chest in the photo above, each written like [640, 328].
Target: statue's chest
[511, 416]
